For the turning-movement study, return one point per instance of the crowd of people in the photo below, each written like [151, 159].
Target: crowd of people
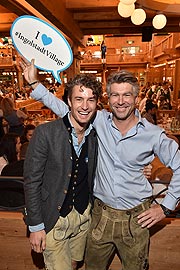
[13, 148]
[159, 93]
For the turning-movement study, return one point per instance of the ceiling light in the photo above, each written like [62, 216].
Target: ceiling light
[138, 16]
[159, 21]
[125, 10]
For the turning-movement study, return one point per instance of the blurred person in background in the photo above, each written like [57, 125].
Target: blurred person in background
[103, 51]
[9, 149]
[28, 132]
[15, 168]
[164, 97]
[1, 120]
[150, 112]
[15, 118]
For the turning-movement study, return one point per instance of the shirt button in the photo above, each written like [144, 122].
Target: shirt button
[128, 213]
[71, 158]
[69, 175]
[77, 165]
[75, 182]
[76, 171]
[59, 208]
[75, 176]
[65, 191]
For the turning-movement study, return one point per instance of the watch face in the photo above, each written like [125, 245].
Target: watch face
[166, 211]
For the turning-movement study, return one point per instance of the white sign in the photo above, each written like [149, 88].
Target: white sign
[36, 39]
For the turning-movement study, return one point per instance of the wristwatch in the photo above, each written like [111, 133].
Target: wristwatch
[166, 211]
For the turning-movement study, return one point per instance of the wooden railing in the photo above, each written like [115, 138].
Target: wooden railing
[112, 58]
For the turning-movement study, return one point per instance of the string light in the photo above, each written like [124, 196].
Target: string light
[138, 16]
[126, 8]
[125, 11]
[159, 21]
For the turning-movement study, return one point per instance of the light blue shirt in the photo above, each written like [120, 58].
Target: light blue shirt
[119, 181]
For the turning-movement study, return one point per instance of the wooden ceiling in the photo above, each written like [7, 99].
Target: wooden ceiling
[77, 18]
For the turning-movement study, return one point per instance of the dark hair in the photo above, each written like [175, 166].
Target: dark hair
[87, 80]
[23, 150]
[7, 106]
[26, 129]
[122, 76]
[8, 146]
[150, 105]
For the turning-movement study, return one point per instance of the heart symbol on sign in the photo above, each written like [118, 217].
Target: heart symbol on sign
[46, 40]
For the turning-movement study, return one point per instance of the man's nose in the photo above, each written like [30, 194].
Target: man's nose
[120, 99]
[84, 105]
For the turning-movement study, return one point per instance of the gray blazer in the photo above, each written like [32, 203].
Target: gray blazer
[47, 172]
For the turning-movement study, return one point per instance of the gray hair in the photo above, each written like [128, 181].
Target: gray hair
[122, 76]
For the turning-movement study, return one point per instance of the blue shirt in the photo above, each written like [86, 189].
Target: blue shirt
[119, 180]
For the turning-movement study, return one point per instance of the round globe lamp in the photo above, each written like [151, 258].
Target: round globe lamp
[159, 21]
[128, 2]
[125, 11]
[138, 16]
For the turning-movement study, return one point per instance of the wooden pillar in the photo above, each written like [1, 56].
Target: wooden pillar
[74, 69]
[20, 79]
[176, 81]
[104, 78]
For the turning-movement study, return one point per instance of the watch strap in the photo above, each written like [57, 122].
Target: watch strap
[166, 211]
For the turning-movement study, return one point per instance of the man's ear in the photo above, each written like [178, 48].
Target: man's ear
[69, 102]
[136, 100]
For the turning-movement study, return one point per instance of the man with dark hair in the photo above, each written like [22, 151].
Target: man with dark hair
[16, 168]
[150, 112]
[58, 174]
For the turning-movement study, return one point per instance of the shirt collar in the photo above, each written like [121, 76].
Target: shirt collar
[71, 129]
[140, 119]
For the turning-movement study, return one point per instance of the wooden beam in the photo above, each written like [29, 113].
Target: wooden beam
[4, 33]
[92, 16]
[5, 27]
[127, 30]
[173, 22]
[74, 4]
[56, 12]
[15, 7]
[7, 18]
[160, 6]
